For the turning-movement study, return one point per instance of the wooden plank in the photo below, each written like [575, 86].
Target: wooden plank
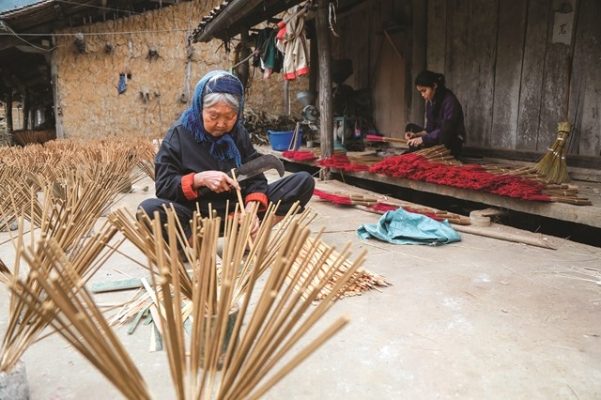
[113, 286]
[512, 22]
[482, 26]
[389, 93]
[573, 160]
[418, 45]
[532, 73]
[585, 93]
[588, 215]
[457, 61]
[554, 89]
[436, 35]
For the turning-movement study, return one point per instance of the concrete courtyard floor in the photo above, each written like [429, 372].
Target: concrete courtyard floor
[477, 319]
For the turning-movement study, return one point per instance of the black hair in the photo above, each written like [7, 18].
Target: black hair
[429, 78]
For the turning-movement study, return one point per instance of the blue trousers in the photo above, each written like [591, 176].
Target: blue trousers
[288, 190]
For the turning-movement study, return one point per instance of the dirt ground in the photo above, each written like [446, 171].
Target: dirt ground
[478, 319]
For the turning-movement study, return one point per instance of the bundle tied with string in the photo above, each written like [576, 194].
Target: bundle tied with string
[552, 167]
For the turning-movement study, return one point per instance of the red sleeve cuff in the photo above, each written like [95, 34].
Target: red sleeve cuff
[187, 182]
[259, 197]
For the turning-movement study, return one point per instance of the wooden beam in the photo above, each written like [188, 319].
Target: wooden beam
[326, 121]
[58, 115]
[9, 111]
[7, 42]
[234, 12]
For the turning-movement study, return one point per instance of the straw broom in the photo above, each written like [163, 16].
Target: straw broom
[552, 166]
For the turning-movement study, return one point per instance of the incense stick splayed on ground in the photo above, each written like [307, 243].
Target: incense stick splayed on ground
[242, 358]
[25, 323]
[65, 304]
[65, 215]
[139, 232]
[382, 204]
[236, 348]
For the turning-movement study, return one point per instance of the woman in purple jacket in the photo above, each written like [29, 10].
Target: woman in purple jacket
[444, 116]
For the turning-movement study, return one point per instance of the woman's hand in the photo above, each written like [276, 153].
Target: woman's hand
[409, 136]
[215, 181]
[415, 142]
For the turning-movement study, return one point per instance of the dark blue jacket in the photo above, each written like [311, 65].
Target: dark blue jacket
[181, 156]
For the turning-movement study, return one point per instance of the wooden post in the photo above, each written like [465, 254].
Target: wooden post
[243, 70]
[58, 118]
[325, 81]
[25, 110]
[9, 112]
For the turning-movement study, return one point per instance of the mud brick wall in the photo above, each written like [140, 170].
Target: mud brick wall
[159, 88]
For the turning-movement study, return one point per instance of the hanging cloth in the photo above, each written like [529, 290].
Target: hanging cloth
[402, 227]
[292, 42]
[268, 57]
[122, 85]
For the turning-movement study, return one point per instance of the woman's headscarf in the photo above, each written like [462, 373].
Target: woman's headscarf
[223, 147]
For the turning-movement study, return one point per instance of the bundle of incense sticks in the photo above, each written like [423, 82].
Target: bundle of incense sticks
[248, 359]
[4, 273]
[382, 205]
[25, 324]
[216, 361]
[67, 218]
[555, 192]
[361, 281]
[138, 232]
[54, 295]
[347, 199]
[107, 168]
[438, 154]
[377, 138]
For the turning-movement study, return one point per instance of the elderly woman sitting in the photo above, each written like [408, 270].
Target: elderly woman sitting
[205, 143]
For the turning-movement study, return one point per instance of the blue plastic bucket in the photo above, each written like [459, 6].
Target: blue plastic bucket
[280, 140]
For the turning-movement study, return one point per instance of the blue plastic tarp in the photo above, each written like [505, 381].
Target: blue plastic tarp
[402, 227]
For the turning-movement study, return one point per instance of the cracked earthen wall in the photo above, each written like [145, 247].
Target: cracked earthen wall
[87, 95]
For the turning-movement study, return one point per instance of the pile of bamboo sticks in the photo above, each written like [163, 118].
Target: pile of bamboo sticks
[558, 192]
[252, 361]
[438, 154]
[85, 254]
[54, 294]
[218, 360]
[381, 204]
[59, 189]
